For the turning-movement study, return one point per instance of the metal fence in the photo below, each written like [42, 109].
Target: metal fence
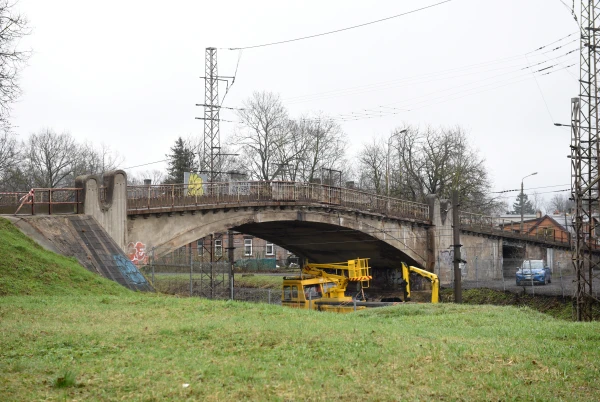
[501, 274]
[42, 201]
[504, 227]
[162, 198]
[185, 273]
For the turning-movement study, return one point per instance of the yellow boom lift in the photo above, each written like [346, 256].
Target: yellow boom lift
[323, 286]
[435, 282]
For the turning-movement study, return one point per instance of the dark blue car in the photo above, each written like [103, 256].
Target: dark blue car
[534, 272]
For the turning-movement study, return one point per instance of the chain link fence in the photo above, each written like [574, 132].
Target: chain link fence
[185, 273]
[557, 279]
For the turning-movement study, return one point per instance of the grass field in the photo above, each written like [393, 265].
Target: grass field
[144, 347]
[66, 335]
[163, 282]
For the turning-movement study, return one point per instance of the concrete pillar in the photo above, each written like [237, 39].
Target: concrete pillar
[439, 235]
[110, 209]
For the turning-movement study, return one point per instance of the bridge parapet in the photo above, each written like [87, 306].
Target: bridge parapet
[178, 197]
[486, 224]
[40, 201]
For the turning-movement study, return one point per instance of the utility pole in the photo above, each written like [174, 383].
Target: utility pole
[212, 137]
[457, 245]
[230, 257]
[585, 149]
[211, 145]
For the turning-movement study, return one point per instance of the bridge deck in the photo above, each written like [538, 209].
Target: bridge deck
[180, 197]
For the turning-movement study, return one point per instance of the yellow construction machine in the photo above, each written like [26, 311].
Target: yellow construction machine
[323, 286]
[435, 282]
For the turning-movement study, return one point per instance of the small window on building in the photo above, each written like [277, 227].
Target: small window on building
[247, 246]
[200, 247]
[218, 247]
[270, 249]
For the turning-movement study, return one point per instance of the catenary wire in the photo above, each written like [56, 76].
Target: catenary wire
[340, 30]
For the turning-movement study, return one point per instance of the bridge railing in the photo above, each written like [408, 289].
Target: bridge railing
[506, 228]
[45, 201]
[158, 198]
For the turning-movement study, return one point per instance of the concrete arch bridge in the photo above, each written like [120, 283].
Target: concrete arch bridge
[318, 222]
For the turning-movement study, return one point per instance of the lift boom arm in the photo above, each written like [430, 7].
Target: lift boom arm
[341, 273]
[435, 282]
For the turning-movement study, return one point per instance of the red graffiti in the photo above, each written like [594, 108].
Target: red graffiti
[137, 253]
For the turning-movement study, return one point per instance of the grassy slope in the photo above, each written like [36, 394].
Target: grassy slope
[145, 347]
[27, 269]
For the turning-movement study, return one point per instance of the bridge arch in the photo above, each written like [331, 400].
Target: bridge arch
[319, 234]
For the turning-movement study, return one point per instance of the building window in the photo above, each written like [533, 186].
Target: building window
[218, 248]
[200, 247]
[247, 246]
[270, 249]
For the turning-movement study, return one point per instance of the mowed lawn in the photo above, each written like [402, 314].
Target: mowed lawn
[152, 347]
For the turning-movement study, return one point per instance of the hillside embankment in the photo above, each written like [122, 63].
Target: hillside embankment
[81, 237]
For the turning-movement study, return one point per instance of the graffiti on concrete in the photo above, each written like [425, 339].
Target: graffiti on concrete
[446, 260]
[137, 253]
[130, 272]
[194, 183]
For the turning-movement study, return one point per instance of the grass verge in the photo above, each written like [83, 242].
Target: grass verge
[554, 306]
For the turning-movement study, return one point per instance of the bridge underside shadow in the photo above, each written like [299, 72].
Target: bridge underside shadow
[321, 242]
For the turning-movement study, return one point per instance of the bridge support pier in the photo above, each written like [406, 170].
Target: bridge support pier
[106, 200]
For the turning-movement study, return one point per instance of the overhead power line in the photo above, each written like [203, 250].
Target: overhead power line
[145, 164]
[518, 62]
[342, 29]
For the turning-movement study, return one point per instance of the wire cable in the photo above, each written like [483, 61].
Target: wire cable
[145, 164]
[340, 30]
[542, 93]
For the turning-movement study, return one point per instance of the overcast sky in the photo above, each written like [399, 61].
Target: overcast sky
[126, 72]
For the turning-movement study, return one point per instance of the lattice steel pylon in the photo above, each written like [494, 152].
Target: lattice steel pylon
[585, 149]
[212, 137]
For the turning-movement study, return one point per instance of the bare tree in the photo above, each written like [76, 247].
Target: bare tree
[91, 159]
[325, 146]
[51, 158]
[560, 203]
[538, 202]
[416, 163]
[264, 136]
[13, 27]
[9, 153]
[155, 176]
[372, 166]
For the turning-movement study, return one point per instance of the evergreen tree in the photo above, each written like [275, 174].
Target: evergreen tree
[524, 201]
[181, 159]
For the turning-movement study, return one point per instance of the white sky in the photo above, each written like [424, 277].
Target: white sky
[126, 72]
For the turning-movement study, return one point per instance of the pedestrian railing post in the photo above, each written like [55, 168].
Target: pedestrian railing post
[562, 287]
[152, 265]
[476, 276]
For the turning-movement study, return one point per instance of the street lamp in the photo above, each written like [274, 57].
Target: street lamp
[532, 174]
[387, 161]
